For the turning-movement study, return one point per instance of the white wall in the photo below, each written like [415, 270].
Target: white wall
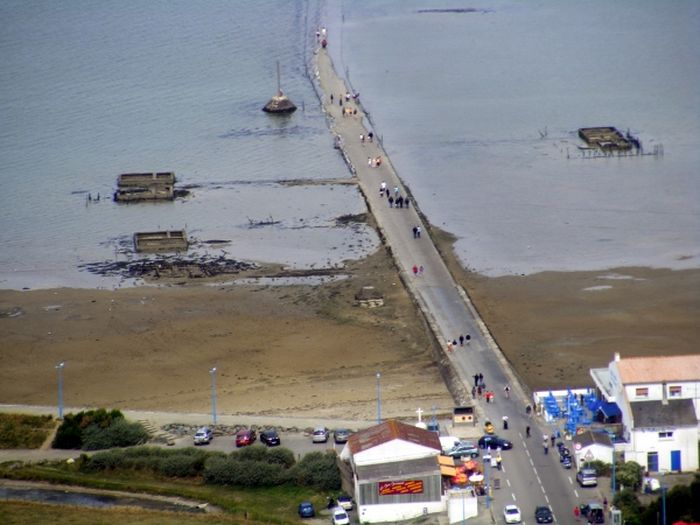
[599, 452]
[684, 439]
[398, 511]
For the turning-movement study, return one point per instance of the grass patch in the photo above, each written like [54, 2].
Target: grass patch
[24, 431]
[273, 505]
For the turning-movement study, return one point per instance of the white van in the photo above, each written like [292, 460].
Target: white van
[448, 443]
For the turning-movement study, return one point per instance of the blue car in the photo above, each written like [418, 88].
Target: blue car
[306, 509]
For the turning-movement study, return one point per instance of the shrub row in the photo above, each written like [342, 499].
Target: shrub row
[255, 466]
[97, 430]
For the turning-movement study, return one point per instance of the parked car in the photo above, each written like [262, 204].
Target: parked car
[306, 510]
[587, 477]
[564, 453]
[203, 436]
[464, 448]
[494, 442]
[320, 435]
[566, 462]
[594, 511]
[345, 502]
[544, 515]
[341, 435]
[511, 514]
[340, 517]
[245, 437]
[270, 437]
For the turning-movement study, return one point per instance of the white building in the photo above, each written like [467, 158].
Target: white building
[659, 399]
[396, 472]
[592, 446]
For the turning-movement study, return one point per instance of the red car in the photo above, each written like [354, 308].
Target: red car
[245, 437]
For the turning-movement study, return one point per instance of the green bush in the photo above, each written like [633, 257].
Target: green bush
[120, 433]
[281, 456]
[243, 472]
[601, 467]
[24, 431]
[317, 470]
[275, 456]
[629, 475]
[70, 434]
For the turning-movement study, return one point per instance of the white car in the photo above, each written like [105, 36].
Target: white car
[340, 517]
[320, 435]
[511, 514]
[203, 436]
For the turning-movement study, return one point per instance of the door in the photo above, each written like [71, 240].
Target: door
[653, 461]
[676, 460]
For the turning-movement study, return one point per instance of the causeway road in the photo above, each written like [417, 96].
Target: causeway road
[529, 478]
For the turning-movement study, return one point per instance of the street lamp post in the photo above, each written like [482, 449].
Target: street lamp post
[487, 459]
[663, 504]
[212, 372]
[379, 399]
[59, 369]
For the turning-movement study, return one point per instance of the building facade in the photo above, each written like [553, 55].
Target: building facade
[396, 472]
[659, 401]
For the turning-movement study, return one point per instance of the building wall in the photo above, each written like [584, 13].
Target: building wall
[368, 491]
[644, 441]
[599, 452]
[406, 511]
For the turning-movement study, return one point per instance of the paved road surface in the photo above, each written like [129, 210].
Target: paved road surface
[529, 477]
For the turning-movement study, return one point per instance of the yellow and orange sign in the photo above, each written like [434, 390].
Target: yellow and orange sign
[390, 488]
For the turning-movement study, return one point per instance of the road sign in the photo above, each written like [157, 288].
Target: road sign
[577, 446]
[588, 456]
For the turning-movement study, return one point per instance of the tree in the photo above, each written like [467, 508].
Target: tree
[629, 475]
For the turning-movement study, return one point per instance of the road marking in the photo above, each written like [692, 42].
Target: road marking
[513, 494]
[555, 517]
[543, 492]
[508, 481]
[570, 481]
[532, 463]
[576, 493]
[538, 478]
[546, 498]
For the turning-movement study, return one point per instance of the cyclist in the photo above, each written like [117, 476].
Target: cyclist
[506, 390]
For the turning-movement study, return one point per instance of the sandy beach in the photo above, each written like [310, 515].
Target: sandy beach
[311, 350]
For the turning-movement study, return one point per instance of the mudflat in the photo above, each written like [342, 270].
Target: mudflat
[286, 350]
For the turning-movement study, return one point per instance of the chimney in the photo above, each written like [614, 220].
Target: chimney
[664, 393]
[617, 356]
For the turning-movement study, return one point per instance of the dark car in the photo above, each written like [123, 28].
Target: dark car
[566, 462]
[341, 435]
[306, 509]
[245, 437]
[494, 442]
[564, 453]
[270, 438]
[543, 515]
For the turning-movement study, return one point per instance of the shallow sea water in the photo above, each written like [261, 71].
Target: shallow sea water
[94, 89]
[479, 112]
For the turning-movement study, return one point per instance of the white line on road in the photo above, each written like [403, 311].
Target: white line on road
[546, 498]
[508, 481]
[538, 478]
[532, 463]
[543, 492]
[576, 493]
[570, 481]
[513, 494]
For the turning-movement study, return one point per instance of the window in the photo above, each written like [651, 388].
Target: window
[665, 435]
[675, 391]
[641, 392]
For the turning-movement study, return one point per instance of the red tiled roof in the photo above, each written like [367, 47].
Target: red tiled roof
[389, 431]
[658, 369]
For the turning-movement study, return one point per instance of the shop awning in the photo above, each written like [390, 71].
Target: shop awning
[610, 410]
[448, 471]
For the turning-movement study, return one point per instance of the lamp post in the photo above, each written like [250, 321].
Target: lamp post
[663, 504]
[379, 399]
[212, 372]
[613, 480]
[59, 369]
